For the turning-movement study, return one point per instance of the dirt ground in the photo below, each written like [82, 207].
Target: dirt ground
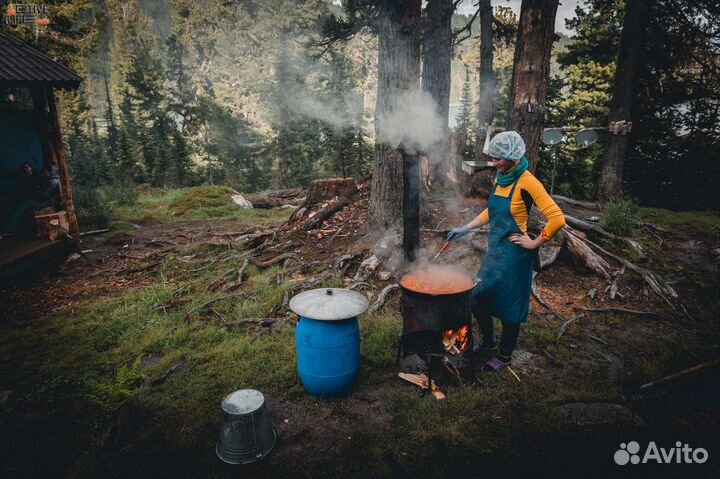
[602, 345]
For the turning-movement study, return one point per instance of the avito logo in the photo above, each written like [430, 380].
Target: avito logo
[680, 454]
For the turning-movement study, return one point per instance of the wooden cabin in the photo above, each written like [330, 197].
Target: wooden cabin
[30, 133]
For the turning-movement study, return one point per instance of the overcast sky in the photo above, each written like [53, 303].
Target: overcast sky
[565, 10]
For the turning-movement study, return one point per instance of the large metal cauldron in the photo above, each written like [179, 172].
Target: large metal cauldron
[435, 298]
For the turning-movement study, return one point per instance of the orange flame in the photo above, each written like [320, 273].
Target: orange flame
[456, 341]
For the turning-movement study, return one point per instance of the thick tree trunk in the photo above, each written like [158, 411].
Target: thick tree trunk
[531, 73]
[486, 99]
[437, 57]
[633, 33]
[398, 72]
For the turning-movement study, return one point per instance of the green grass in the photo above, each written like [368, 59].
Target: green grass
[619, 217]
[82, 377]
[688, 223]
[198, 203]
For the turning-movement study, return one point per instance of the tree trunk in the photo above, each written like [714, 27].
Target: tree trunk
[437, 57]
[633, 33]
[531, 73]
[486, 99]
[398, 72]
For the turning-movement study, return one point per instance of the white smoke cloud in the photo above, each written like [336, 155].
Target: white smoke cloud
[412, 121]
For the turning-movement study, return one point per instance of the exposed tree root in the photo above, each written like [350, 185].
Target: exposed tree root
[382, 297]
[648, 314]
[564, 326]
[275, 260]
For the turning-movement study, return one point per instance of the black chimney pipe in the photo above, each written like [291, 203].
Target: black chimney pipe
[411, 202]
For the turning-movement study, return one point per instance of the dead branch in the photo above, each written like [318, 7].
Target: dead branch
[545, 303]
[382, 297]
[94, 232]
[648, 314]
[334, 235]
[325, 213]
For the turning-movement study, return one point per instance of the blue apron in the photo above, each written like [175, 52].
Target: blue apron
[505, 277]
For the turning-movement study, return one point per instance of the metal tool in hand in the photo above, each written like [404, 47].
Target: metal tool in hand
[442, 250]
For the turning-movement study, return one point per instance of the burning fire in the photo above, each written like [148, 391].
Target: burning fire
[456, 341]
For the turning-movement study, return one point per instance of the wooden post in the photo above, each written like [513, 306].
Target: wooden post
[58, 151]
[411, 202]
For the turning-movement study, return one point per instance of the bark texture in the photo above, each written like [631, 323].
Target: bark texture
[531, 73]
[486, 100]
[633, 34]
[398, 72]
[436, 60]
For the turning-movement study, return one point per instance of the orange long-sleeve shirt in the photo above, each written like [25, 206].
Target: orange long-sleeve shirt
[529, 190]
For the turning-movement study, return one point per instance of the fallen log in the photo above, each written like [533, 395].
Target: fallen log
[584, 256]
[587, 226]
[274, 199]
[326, 213]
[366, 268]
[656, 282]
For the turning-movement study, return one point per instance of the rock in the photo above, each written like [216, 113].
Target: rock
[240, 200]
[597, 415]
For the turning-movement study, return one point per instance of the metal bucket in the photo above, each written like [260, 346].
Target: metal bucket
[246, 432]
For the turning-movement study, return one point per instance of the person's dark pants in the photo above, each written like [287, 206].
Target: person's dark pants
[508, 337]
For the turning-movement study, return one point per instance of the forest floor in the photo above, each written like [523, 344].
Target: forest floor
[114, 364]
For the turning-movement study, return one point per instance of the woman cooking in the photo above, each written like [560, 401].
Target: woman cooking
[505, 277]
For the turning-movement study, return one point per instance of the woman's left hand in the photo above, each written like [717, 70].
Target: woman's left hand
[524, 241]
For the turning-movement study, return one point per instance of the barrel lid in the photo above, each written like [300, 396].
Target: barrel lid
[329, 304]
[243, 401]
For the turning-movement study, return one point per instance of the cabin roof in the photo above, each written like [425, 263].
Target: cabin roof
[23, 65]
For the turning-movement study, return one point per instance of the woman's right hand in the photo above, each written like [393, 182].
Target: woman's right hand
[456, 233]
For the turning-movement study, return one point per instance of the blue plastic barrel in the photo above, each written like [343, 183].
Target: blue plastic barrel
[328, 354]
